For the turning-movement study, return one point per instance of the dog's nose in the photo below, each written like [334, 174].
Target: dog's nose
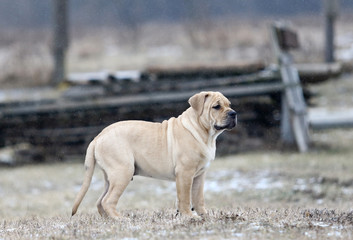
[232, 114]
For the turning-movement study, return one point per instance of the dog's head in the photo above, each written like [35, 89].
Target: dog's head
[214, 110]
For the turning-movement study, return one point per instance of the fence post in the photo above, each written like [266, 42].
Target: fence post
[331, 11]
[294, 124]
[60, 40]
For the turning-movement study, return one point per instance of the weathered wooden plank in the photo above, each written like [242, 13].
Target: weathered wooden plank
[103, 76]
[140, 99]
[296, 104]
[287, 38]
[293, 122]
[330, 123]
[40, 96]
[320, 119]
[204, 71]
[308, 72]
[311, 73]
[87, 77]
[63, 132]
[28, 96]
[129, 87]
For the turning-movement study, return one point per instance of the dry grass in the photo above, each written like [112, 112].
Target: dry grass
[240, 223]
[264, 195]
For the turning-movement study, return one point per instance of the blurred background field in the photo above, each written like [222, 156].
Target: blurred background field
[118, 35]
[129, 35]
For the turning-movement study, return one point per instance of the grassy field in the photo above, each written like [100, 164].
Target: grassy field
[262, 195]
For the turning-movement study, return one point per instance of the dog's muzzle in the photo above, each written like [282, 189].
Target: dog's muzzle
[231, 121]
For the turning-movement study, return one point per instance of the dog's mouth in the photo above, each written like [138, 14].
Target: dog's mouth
[230, 124]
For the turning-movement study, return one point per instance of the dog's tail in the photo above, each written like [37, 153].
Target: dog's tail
[90, 163]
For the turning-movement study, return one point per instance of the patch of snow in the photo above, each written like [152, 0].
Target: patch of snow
[237, 234]
[263, 183]
[255, 227]
[347, 191]
[334, 234]
[321, 224]
[232, 180]
[319, 201]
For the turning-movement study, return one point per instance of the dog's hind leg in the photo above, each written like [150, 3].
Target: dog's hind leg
[99, 202]
[118, 179]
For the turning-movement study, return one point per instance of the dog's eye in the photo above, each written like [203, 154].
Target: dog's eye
[217, 107]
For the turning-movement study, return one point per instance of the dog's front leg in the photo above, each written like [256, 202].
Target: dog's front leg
[183, 184]
[198, 201]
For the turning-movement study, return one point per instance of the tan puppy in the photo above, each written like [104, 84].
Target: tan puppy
[179, 149]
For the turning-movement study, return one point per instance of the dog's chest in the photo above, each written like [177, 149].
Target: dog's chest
[209, 156]
[205, 162]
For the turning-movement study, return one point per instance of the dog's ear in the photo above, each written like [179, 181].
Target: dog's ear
[197, 101]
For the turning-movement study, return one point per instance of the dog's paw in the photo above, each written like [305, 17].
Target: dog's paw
[197, 217]
[200, 211]
[189, 214]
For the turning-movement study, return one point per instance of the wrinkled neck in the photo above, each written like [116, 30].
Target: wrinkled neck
[201, 132]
